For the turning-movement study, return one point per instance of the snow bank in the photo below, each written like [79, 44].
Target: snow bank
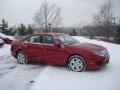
[60, 78]
[5, 49]
[5, 36]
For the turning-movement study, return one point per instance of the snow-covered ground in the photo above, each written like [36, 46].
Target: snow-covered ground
[14, 76]
[5, 50]
[107, 78]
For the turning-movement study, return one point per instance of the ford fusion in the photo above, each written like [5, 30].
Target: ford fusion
[59, 49]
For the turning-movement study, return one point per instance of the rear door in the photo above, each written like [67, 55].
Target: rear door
[34, 48]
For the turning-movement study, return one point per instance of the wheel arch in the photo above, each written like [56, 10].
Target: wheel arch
[22, 51]
[19, 50]
[74, 55]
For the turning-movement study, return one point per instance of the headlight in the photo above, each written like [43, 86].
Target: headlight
[103, 53]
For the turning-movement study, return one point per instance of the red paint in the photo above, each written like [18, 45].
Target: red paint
[7, 40]
[53, 54]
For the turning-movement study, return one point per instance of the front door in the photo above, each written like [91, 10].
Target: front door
[52, 53]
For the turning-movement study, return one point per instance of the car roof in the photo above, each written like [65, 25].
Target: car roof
[53, 34]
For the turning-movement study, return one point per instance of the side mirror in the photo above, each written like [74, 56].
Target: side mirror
[58, 45]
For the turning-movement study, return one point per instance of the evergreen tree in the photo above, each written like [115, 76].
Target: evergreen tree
[21, 29]
[74, 33]
[4, 26]
[30, 29]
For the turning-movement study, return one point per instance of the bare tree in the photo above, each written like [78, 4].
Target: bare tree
[47, 16]
[105, 17]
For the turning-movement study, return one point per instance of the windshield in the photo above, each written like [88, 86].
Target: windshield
[67, 39]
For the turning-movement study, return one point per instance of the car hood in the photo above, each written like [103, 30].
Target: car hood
[89, 46]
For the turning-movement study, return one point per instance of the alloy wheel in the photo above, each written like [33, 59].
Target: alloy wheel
[76, 63]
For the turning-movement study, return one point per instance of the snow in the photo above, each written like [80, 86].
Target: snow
[14, 76]
[60, 78]
[17, 77]
[5, 50]
[5, 36]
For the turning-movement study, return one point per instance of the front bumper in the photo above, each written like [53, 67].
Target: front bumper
[98, 63]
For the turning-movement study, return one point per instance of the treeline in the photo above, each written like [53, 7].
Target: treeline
[105, 23]
[19, 30]
[86, 30]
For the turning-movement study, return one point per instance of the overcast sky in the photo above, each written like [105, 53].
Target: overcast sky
[73, 12]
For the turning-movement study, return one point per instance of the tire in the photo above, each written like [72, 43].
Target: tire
[22, 57]
[76, 63]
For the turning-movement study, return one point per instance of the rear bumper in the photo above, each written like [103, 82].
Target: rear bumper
[13, 54]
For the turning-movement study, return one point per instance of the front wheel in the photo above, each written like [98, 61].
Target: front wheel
[76, 63]
[22, 58]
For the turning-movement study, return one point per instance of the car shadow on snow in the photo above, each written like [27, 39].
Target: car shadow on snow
[101, 69]
[65, 68]
[34, 65]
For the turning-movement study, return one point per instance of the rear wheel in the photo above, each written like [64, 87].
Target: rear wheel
[22, 58]
[76, 63]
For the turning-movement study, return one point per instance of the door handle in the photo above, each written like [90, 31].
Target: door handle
[25, 45]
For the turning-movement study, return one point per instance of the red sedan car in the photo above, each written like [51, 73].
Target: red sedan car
[59, 49]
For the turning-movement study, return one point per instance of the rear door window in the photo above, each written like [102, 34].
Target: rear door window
[34, 39]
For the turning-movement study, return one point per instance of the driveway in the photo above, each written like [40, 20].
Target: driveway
[14, 76]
